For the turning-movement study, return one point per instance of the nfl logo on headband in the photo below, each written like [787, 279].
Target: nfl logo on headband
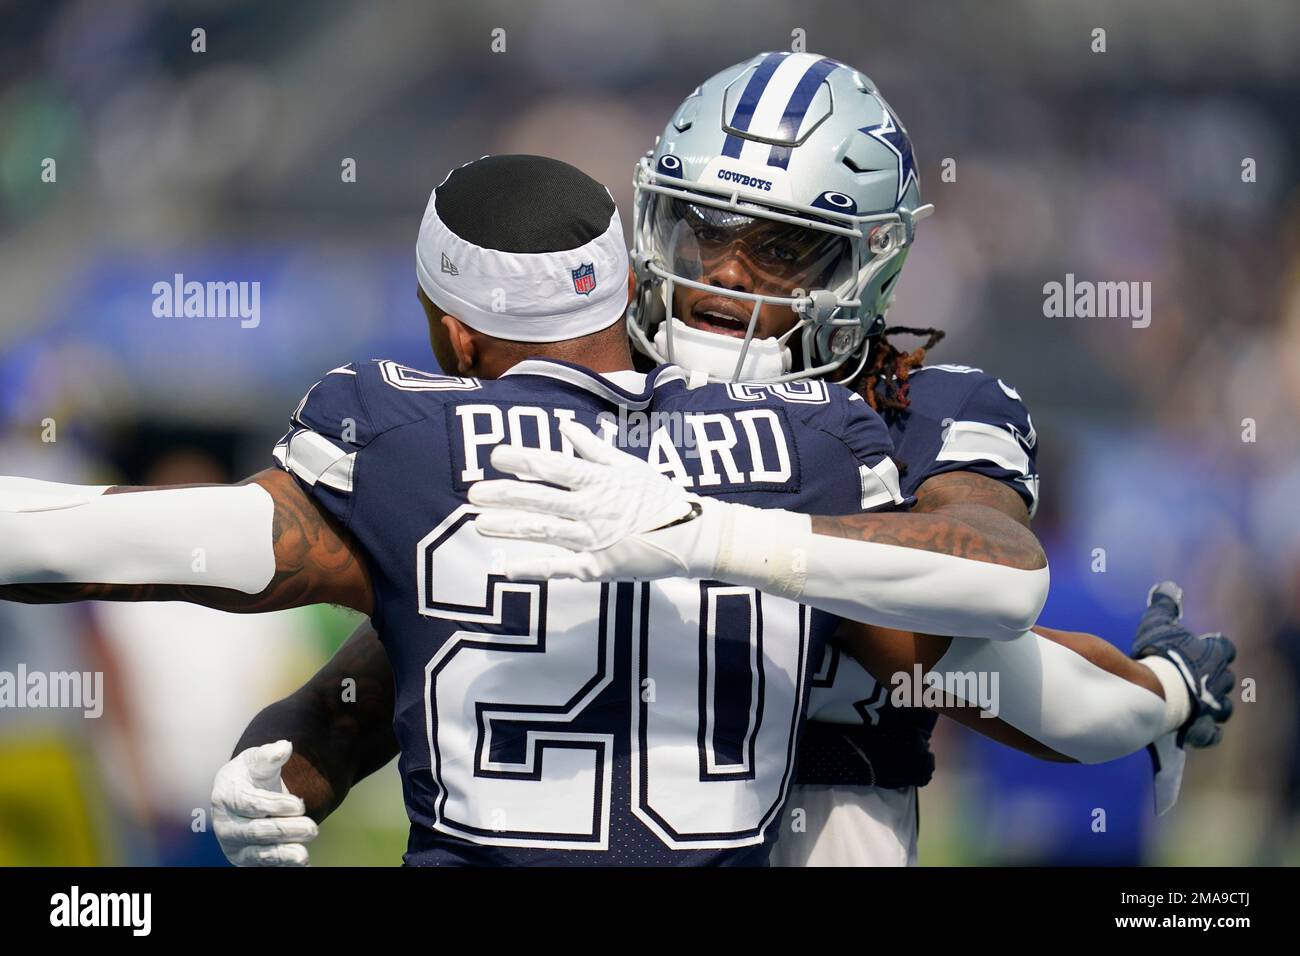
[523, 228]
[584, 278]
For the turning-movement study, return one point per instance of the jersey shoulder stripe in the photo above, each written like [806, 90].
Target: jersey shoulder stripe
[963, 419]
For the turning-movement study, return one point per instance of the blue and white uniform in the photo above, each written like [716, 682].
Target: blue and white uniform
[862, 758]
[582, 723]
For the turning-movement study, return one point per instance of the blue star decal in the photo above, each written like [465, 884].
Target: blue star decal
[891, 133]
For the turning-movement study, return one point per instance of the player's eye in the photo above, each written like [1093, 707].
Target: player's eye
[778, 251]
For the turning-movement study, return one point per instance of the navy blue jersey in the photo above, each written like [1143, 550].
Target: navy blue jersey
[569, 722]
[958, 419]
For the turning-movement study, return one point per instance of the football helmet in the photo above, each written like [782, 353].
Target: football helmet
[795, 163]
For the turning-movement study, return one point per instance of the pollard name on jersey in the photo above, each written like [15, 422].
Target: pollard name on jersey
[958, 419]
[570, 722]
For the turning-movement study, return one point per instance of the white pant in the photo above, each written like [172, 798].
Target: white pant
[848, 826]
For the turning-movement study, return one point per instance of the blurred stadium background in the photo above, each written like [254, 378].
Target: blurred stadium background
[226, 165]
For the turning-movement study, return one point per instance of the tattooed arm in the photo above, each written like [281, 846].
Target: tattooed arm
[337, 743]
[999, 517]
[1116, 704]
[892, 570]
[314, 560]
[960, 514]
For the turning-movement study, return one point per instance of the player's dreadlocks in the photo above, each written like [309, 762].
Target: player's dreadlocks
[884, 381]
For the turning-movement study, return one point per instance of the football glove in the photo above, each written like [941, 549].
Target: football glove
[1202, 662]
[617, 517]
[258, 822]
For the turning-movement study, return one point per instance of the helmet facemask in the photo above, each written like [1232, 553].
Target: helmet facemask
[829, 268]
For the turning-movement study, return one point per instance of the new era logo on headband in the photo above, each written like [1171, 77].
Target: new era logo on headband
[448, 266]
[584, 279]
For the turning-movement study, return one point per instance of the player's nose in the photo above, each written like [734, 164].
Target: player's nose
[730, 272]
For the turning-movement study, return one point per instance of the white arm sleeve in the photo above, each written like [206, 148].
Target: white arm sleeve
[882, 584]
[1058, 697]
[216, 536]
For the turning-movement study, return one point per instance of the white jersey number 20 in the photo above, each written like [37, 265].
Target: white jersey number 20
[718, 674]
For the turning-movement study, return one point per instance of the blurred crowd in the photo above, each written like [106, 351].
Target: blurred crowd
[1167, 156]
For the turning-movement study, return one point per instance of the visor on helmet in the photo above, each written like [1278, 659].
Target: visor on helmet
[695, 240]
[831, 268]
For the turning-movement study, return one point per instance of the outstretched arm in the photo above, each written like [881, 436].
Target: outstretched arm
[1059, 695]
[262, 545]
[1064, 695]
[338, 739]
[1127, 699]
[623, 520]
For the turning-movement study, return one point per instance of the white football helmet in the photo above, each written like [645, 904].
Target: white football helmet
[794, 162]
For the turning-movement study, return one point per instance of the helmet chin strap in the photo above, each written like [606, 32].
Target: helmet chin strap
[697, 350]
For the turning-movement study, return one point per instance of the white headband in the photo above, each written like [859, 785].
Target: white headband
[525, 297]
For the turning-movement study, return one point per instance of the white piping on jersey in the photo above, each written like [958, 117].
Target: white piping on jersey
[317, 460]
[628, 380]
[880, 485]
[416, 380]
[959, 369]
[603, 386]
[977, 441]
[1031, 486]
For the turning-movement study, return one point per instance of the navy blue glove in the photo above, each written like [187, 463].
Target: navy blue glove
[1203, 662]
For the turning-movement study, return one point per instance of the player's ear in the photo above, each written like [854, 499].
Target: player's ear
[462, 343]
[631, 283]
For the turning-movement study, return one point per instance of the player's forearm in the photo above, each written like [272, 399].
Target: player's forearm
[625, 520]
[220, 599]
[866, 569]
[940, 533]
[211, 545]
[254, 547]
[1071, 692]
[964, 558]
[339, 722]
[329, 756]
[1057, 695]
[1061, 695]
[310, 774]
[1101, 653]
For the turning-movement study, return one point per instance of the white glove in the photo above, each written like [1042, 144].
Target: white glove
[257, 820]
[622, 518]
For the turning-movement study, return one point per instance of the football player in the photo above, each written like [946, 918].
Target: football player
[540, 721]
[731, 281]
[773, 216]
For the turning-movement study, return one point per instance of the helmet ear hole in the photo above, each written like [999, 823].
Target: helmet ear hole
[882, 239]
[833, 343]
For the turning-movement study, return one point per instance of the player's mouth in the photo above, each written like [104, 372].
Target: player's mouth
[721, 315]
